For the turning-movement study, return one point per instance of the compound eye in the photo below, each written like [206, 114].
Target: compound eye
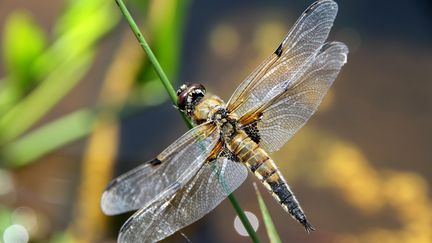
[181, 100]
[181, 89]
[199, 87]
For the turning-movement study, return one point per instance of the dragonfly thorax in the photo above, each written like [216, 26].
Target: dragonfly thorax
[225, 121]
[206, 108]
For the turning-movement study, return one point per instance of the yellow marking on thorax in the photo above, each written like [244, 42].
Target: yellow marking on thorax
[205, 106]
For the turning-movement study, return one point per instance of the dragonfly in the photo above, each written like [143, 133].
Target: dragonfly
[201, 168]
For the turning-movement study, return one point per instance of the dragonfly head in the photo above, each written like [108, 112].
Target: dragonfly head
[188, 95]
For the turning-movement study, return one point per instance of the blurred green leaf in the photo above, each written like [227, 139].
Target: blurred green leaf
[77, 29]
[48, 93]
[53, 135]
[138, 6]
[63, 237]
[9, 94]
[271, 229]
[77, 13]
[167, 25]
[76, 35]
[62, 65]
[48, 138]
[5, 217]
[23, 42]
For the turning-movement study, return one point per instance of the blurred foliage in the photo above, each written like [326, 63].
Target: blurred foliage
[47, 138]
[56, 68]
[62, 238]
[42, 71]
[19, 53]
[50, 91]
[5, 217]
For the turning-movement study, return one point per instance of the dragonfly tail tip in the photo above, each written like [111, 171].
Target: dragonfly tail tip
[308, 227]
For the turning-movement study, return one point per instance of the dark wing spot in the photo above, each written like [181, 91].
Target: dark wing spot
[252, 131]
[278, 51]
[155, 162]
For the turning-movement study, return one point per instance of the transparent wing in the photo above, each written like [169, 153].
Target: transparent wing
[171, 170]
[161, 218]
[288, 62]
[291, 110]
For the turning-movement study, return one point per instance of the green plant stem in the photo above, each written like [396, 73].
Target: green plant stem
[172, 94]
[243, 218]
[268, 222]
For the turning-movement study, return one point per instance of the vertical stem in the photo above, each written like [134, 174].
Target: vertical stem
[173, 96]
[271, 229]
[243, 218]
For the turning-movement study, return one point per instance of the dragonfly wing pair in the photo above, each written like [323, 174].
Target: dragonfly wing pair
[286, 89]
[186, 181]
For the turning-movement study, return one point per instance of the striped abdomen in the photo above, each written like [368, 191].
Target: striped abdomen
[264, 168]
